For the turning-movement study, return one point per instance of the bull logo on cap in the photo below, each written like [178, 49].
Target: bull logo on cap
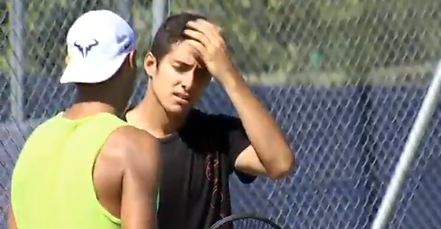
[85, 49]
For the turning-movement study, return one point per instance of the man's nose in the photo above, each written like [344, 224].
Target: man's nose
[188, 80]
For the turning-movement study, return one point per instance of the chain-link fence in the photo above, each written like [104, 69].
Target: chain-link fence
[344, 79]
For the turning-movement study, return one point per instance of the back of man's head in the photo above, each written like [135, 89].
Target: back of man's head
[171, 32]
[98, 43]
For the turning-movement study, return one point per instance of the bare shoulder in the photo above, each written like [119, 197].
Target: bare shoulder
[133, 144]
[139, 153]
[129, 149]
[131, 134]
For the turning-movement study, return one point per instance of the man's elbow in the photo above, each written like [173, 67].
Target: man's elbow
[282, 168]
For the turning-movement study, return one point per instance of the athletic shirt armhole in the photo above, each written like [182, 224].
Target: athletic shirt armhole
[96, 201]
[124, 118]
[110, 127]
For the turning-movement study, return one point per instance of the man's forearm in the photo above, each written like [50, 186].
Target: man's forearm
[265, 135]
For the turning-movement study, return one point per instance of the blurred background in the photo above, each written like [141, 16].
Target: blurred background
[344, 79]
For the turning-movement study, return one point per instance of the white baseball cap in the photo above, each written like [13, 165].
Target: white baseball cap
[98, 43]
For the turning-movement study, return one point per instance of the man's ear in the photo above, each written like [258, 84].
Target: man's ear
[150, 64]
[67, 60]
[132, 59]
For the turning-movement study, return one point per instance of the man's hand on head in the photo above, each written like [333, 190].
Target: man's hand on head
[273, 158]
[207, 39]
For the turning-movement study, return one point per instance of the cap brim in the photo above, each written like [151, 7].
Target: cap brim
[87, 72]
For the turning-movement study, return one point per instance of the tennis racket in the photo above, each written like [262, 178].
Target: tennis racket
[245, 221]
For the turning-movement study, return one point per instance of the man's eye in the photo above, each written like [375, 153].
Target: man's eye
[202, 72]
[181, 68]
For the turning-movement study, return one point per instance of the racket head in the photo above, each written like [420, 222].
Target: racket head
[245, 221]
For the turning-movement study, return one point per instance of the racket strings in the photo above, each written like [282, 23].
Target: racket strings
[250, 223]
[245, 221]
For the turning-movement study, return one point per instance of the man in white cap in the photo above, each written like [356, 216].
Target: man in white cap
[86, 168]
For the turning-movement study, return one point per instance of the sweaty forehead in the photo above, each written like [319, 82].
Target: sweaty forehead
[184, 52]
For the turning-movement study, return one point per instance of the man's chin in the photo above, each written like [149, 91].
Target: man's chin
[178, 109]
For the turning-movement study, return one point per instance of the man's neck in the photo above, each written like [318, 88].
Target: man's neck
[81, 110]
[151, 116]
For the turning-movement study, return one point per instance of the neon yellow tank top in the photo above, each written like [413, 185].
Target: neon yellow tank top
[52, 185]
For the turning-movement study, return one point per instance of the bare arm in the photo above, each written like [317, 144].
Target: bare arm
[269, 152]
[140, 183]
[11, 218]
